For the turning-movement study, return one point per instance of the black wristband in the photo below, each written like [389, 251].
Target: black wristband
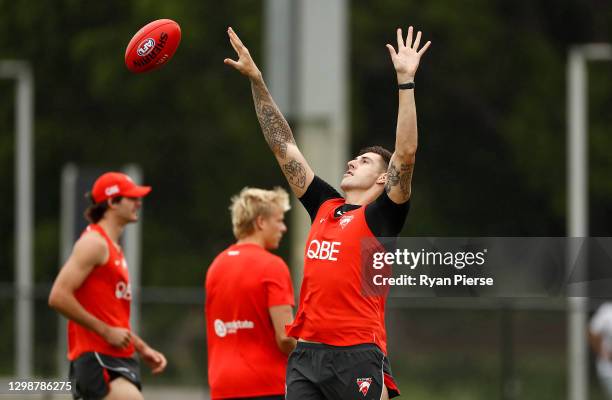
[408, 85]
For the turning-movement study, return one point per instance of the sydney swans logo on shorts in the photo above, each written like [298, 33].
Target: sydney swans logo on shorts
[145, 47]
[364, 385]
[223, 329]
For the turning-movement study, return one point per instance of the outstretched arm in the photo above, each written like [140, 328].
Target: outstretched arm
[406, 62]
[275, 128]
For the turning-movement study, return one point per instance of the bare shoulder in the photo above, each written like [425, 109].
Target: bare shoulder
[91, 249]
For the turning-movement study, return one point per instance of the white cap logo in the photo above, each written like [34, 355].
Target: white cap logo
[111, 190]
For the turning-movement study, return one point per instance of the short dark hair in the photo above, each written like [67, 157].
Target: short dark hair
[96, 211]
[381, 151]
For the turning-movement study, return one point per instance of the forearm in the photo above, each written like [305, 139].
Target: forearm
[69, 307]
[274, 126]
[139, 344]
[281, 316]
[401, 167]
[406, 136]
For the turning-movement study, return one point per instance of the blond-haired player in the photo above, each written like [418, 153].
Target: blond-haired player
[249, 301]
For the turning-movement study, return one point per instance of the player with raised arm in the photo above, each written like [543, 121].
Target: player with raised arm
[93, 291]
[341, 350]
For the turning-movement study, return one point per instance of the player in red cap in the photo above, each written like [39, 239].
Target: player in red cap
[341, 350]
[249, 301]
[93, 291]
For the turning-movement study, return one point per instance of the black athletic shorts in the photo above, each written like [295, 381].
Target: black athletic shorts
[91, 373]
[318, 371]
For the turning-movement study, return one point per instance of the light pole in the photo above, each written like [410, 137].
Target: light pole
[21, 72]
[577, 186]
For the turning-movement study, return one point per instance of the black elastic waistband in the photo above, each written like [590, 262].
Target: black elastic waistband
[323, 346]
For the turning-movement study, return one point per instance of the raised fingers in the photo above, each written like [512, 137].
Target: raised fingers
[230, 62]
[234, 35]
[417, 41]
[400, 39]
[233, 40]
[424, 48]
[409, 38]
[236, 42]
[392, 52]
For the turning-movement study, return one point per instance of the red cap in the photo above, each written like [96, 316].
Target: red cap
[113, 184]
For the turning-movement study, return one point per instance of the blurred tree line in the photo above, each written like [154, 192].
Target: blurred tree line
[490, 98]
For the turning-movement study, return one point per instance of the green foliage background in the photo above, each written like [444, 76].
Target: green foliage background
[490, 96]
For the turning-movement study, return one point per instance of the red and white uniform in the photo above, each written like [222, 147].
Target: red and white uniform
[243, 357]
[333, 308]
[106, 294]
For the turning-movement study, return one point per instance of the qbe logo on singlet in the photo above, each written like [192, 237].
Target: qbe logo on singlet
[123, 290]
[323, 250]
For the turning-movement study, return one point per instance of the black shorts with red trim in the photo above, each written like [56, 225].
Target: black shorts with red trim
[317, 371]
[91, 374]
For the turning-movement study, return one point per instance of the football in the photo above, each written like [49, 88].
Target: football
[152, 46]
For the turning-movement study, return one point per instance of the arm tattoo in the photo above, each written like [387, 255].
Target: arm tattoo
[275, 128]
[295, 173]
[401, 177]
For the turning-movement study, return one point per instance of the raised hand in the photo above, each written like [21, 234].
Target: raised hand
[245, 63]
[406, 59]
